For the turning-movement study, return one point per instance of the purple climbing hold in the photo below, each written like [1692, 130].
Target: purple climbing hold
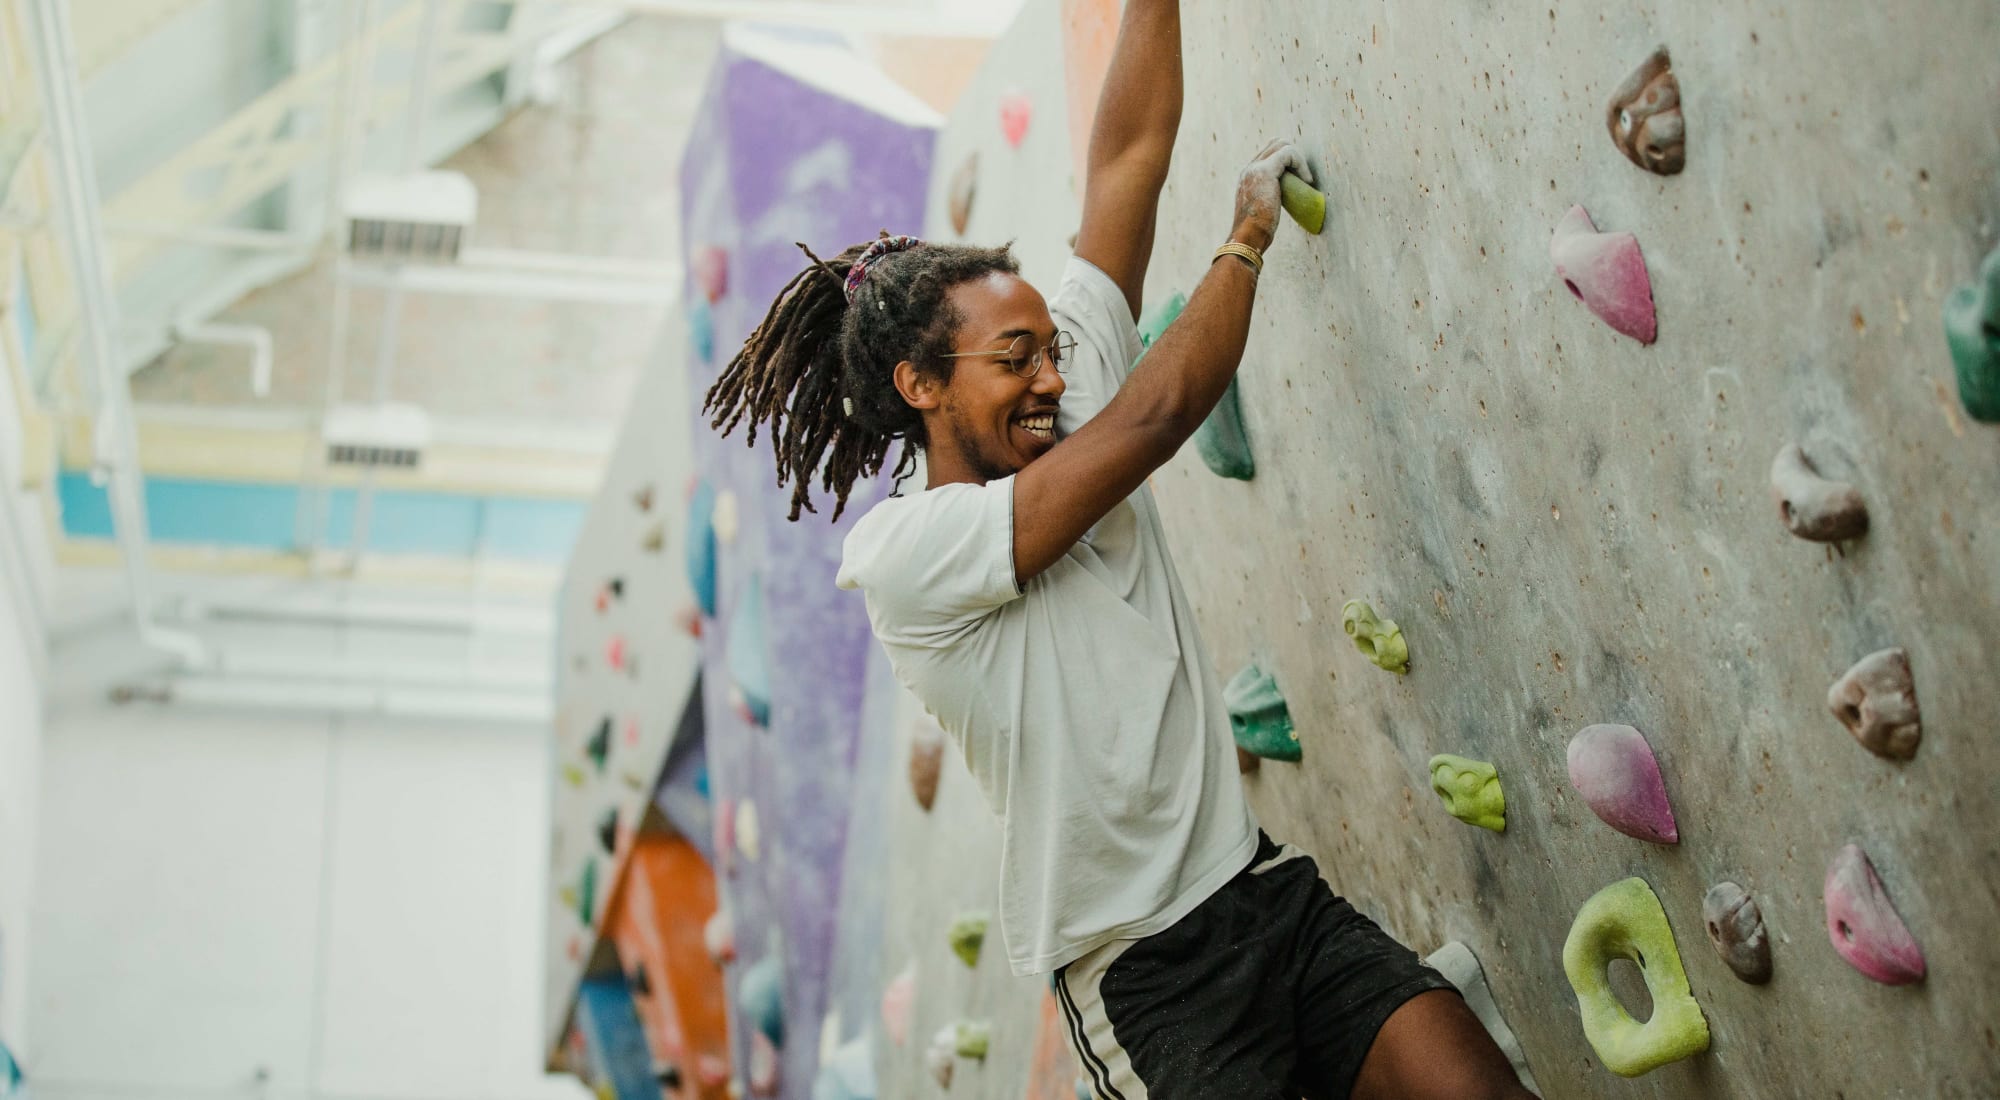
[1607, 273]
[1877, 701]
[1863, 923]
[1615, 771]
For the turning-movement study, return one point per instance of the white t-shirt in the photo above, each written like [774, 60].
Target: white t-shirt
[1085, 705]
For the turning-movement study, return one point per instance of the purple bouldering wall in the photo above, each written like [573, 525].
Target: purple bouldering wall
[797, 141]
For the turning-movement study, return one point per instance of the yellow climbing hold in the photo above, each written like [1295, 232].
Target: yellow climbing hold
[1379, 640]
[1625, 920]
[1303, 202]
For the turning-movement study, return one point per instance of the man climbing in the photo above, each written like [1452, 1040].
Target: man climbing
[1026, 597]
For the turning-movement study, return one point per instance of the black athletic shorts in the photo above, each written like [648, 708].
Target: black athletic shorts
[1272, 989]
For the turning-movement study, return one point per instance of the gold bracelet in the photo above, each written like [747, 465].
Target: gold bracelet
[1242, 252]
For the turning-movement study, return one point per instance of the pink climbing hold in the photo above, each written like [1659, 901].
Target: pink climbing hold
[1863, 923]
[899, 999]
[1016, 109]
[718, 936]
[763, 1065]
[1615, 771]
[1606, 272]
[711, 272]
[688, 618]
[614, 652]
[712, 1071]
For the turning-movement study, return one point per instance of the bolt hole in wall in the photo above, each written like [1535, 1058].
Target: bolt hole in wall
[1629, 986]
[263, 516]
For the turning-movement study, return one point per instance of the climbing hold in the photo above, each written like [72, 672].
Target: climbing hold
[631, 731]
[748, 656]
[701, 331]
[973, 1039]
[1258, 715]
[748, 834]
[926, 763]
[639, 981]
[1606, 272]
[1379, 640]
[710, 266]
[1972, 332]
[1877, 701]
[849, 1074]
[968, 934]
[939, 1055]
[964, 186]
[1246, 761]
[688, 618]
[701, 547]
[1156, 317]
[899, 998]
[1471, 791]
[656, 538]
[1864, 925]
[1625, 920]
[1615, 771]
[1809, 505]
[598, 748]
[668, 1075]
[1303, 202]
[643, 498]
[763, 1066]
[607, 830]
[616, 586]
[614, 652]
[1221, 441]
[1016, 109]
[725, 520]
[1461, 968]
[1736, 928]
[586, 894]
[718, 936]
[711, 1071]
[1645, 117]
[760, 996]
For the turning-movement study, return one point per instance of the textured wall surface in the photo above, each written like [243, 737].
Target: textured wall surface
[1573, 528]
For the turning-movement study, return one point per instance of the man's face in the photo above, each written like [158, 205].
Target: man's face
[993, 420]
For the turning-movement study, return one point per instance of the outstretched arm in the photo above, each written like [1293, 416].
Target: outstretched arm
[1131, 144]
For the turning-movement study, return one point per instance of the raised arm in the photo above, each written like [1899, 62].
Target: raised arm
[1131, 144]
[1060, 495]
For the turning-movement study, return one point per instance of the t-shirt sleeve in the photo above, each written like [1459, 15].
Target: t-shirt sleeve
[1089, 305]
[932, 563]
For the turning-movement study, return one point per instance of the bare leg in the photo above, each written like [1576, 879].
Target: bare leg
[1434, 1048]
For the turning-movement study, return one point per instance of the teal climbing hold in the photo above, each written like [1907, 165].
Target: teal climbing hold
[1221, 441]
[760, 997]
[749, 655]
[1259, 717]
[1471, 791]
[1159, 315]
[607, 830]
[586, 894]
[848, 1075]
[968, 934]
[701, 329]
[701, 546]
[1972, 331]
[598, 748]
[1625, 920]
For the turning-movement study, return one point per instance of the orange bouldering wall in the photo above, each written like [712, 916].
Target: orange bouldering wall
[666, 898]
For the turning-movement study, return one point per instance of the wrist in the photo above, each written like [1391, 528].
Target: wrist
[1252, 234]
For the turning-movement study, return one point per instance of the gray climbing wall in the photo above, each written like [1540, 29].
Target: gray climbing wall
[1570, 527]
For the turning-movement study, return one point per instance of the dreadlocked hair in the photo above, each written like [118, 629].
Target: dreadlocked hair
[813, 349]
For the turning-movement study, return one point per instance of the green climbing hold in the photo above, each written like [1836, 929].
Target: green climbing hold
[1625, 920]
[1471, 791]
[1259, 717]
[1159, 315]
[586, 900]
[1221, 441]
[1972, 331]
[1303, 202]
[975, 1037]
[968, 935]
[573, 775]
[1379, 640]
[598, 748]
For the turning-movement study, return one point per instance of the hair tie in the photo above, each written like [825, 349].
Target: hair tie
[880, 247]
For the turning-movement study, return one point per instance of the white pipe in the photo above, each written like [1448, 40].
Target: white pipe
[348, 671]
[117, 440]
[929, 21]
[321, 608]
[473, 703]
[603, 288]
[257, 339]
[216, 236]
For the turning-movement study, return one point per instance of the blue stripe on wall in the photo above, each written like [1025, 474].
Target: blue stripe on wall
[262, 516]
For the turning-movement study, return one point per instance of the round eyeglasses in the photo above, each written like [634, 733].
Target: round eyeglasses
[1025, 359]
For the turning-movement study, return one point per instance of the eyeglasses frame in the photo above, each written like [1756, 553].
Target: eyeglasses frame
[1041, 353]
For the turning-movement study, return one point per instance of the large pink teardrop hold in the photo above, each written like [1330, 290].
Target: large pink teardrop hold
[1606, 272]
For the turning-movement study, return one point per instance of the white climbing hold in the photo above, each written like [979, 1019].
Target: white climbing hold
[748, 838]
[940, 1057]
[726, 520]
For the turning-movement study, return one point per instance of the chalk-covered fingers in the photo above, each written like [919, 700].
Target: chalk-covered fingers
[1258, 195]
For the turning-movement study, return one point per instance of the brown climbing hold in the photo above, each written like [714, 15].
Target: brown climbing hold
[1246, 761]
[1736, 929]
[964, 185]
[1877, 701]
[1645, 117]
[926, 764]
[1811, 506]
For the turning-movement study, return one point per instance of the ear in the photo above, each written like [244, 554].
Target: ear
[919, 390]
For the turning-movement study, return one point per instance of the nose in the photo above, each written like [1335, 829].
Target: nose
[1048, 382]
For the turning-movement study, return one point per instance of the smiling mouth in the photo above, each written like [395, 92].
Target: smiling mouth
[1042, 426]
